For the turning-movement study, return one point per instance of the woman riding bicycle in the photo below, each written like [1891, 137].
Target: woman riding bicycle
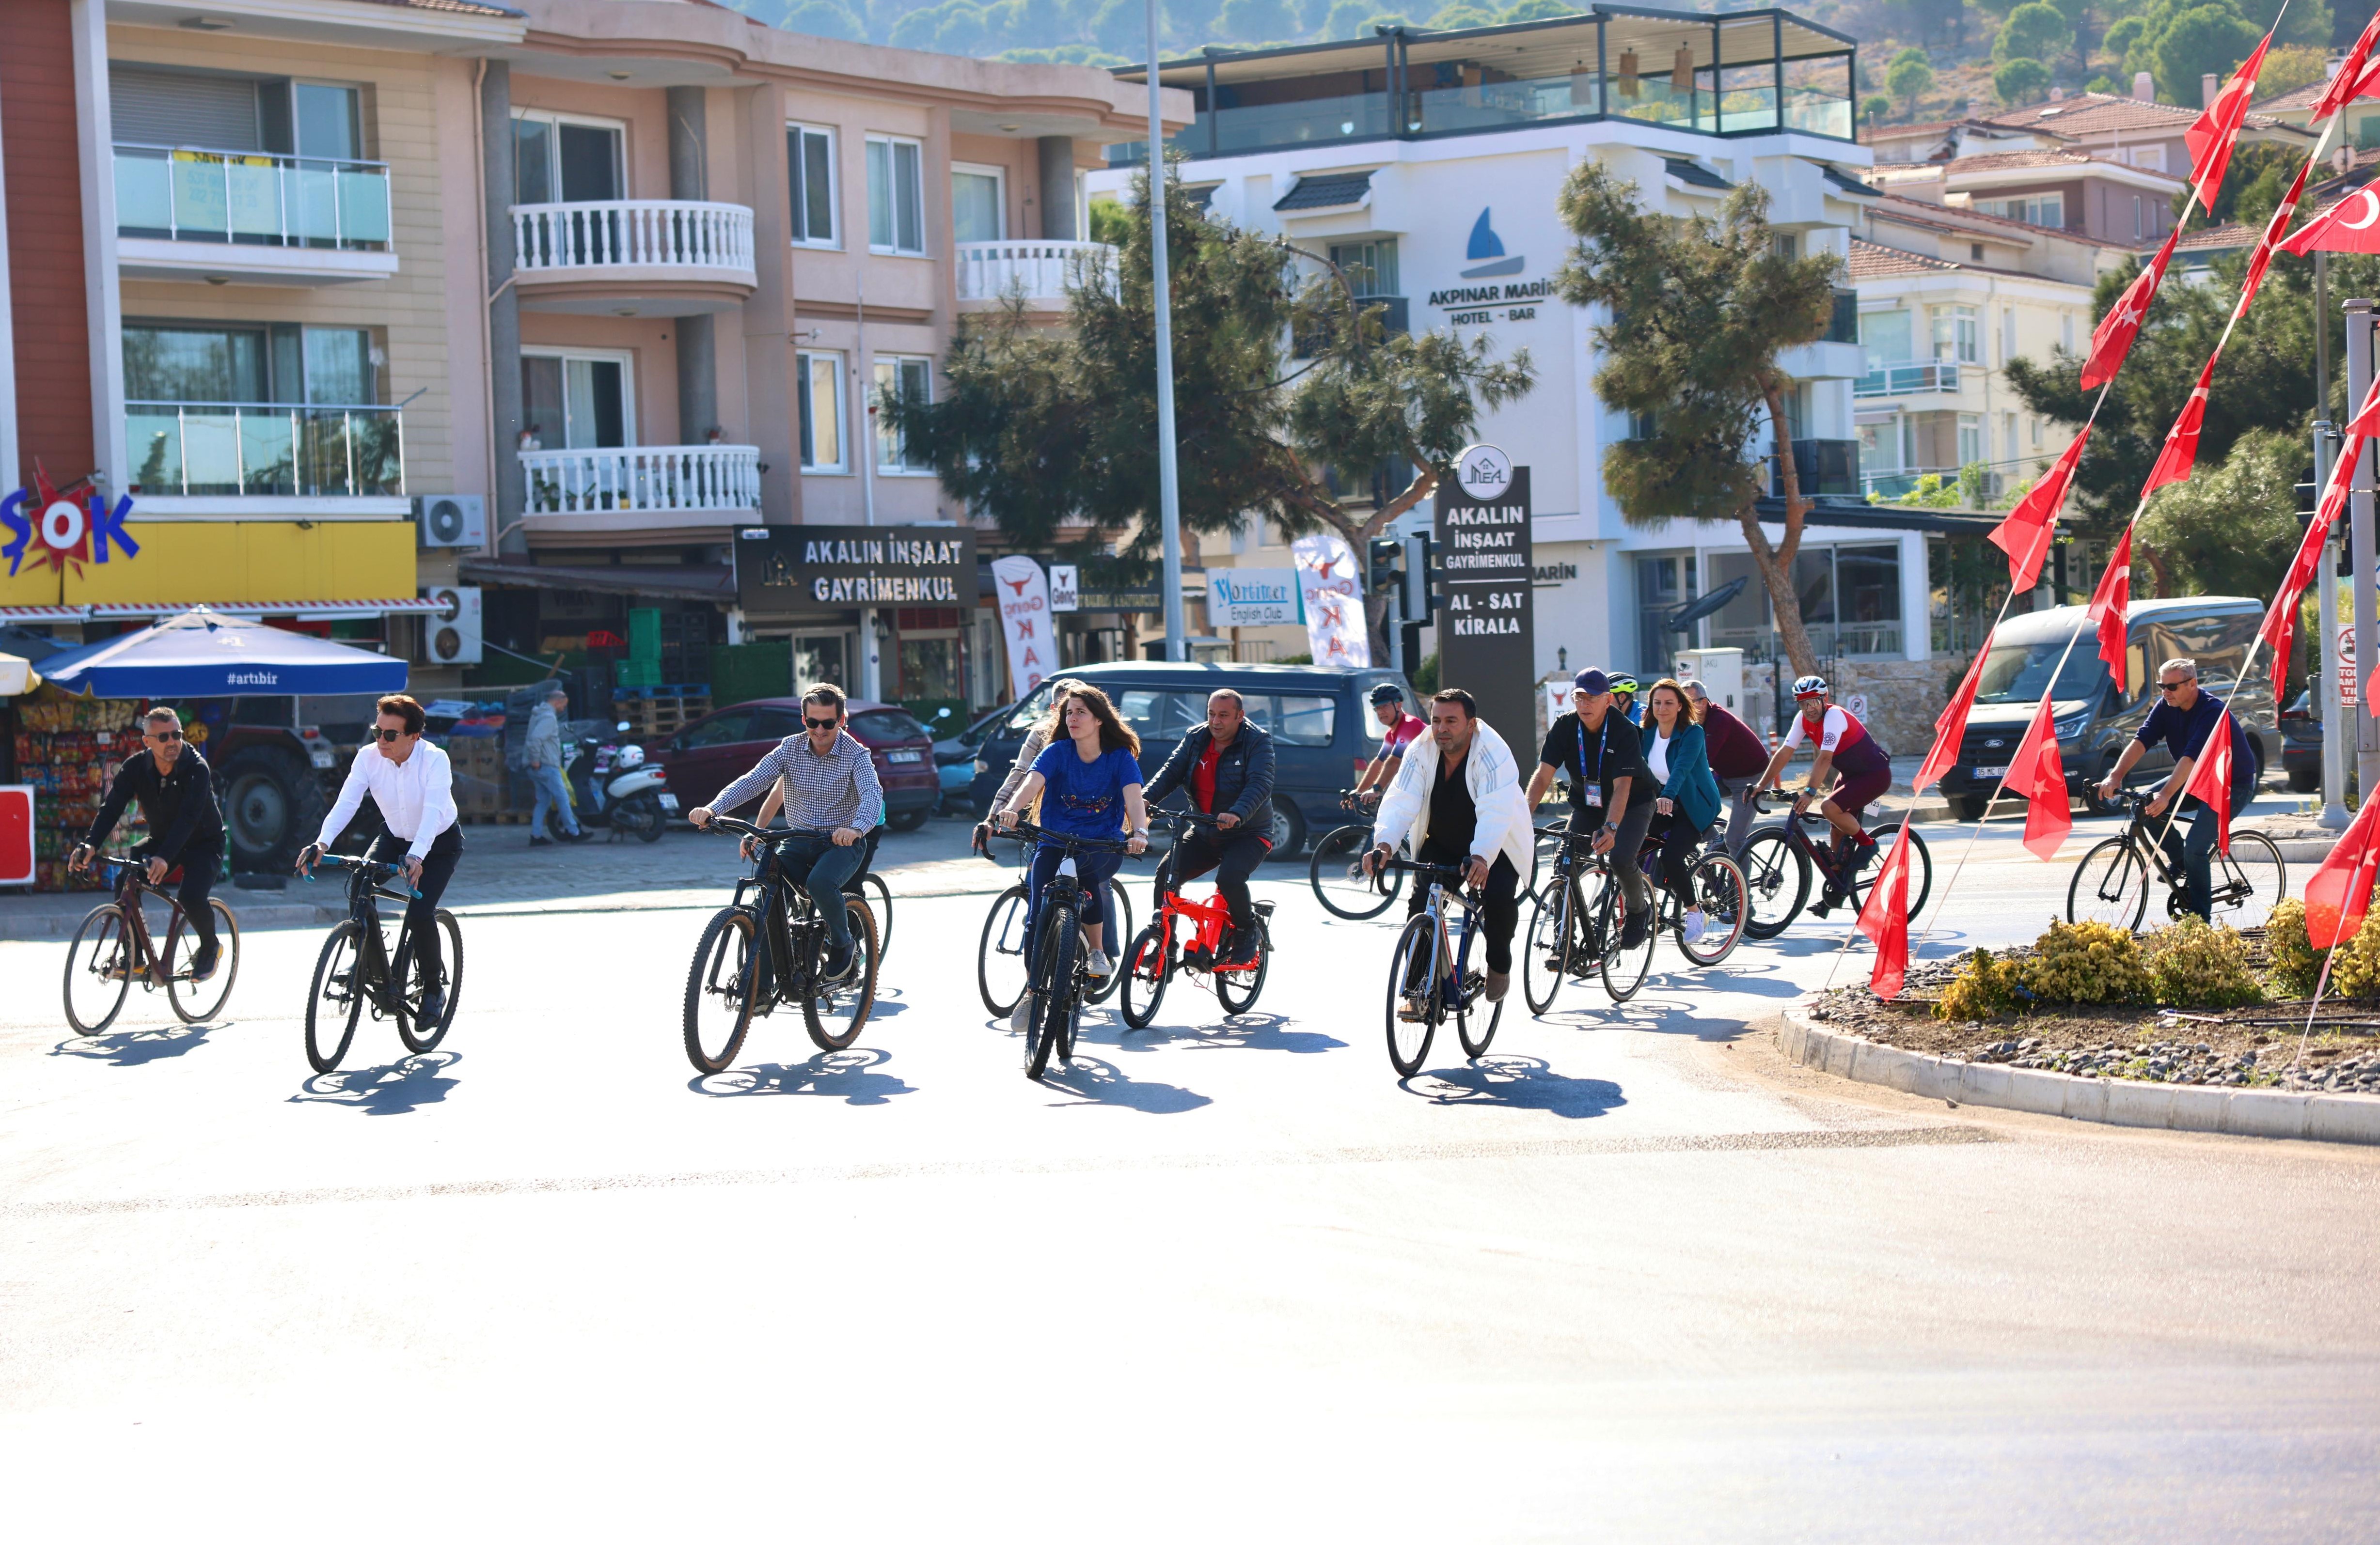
[1865, 772]
[1687, 803]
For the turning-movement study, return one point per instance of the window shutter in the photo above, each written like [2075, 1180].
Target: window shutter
[160, 107]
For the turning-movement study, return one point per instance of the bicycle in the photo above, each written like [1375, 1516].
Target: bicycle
[1570, 931]
[1059, 983]
[113, 947]
[2111, 884]
[1002, 973]
[1336, 870]
[1778, 861]
[1430, 975]
[359, 967]
[1156, 955]
[734, 978]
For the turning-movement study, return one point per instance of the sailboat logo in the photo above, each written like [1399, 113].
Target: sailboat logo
[1485, 243]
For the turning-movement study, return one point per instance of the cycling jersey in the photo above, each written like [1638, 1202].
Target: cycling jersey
[1401, 734]
[1836, 732]
[1865, 769]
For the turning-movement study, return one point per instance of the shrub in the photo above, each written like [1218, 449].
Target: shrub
[2192, 965]
[2297, 964]
[1984, 989]
[2087, 962]
[2355, 965]
[2021, 80]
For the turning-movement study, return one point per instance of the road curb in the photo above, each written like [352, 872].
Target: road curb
[2180, 1107]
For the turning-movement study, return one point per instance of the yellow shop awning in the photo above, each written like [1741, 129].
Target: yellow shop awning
[255, 567]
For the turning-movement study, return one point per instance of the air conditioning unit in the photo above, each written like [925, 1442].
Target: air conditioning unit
[451, 634]
[452, 520]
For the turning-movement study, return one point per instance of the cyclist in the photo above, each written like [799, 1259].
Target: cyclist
[1226, 763]
[176, 793]
[1624, 697]
[1686, 797]
[1844, 747]
[1036, 740]
[1458, 796]
[2182, 721]
[1602, 754]
[1737, 761]
[413, 784]
[1401, 730]
[834, 801]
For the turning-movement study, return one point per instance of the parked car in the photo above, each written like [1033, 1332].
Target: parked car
[722, 745]
[2094, 716]
[955, 759]
[2302, 745]
[1323, 734]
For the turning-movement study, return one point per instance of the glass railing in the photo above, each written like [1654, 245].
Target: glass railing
[1812, 110]
[1921, 375]
[263, 449]
[1501, 104]
[178, 193]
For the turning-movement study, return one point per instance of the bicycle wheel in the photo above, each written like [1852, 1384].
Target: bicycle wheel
[835, 1012]
[1412, 989]
[1718, 886]
[719, 988]
[1104, 987]
[1468, 1011]
[1921, 869]
[336, 999]
[2110, 886]
[1146, 972]
[882, 907]
[1000, 964]
[1776, 882]
[1053, 978]
[2249, 883]
[417, 1036]
[1237, 990]
[1549, 945]
[99, 971]
[197, 1002]
[1339, 883]
[1624, 968]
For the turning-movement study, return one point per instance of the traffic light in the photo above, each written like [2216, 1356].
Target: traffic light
[1424, 580]
[1388, 567]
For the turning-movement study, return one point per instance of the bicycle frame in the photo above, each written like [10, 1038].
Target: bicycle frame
[1453, 957]
[790, 923]
[2224, 878]
[131, 885]
[378, 969]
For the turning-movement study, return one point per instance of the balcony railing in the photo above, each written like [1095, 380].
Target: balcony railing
[562, 239]
[643, 480]
[1916, 375]
[1039, 270]
[265, 448]
[182, 193]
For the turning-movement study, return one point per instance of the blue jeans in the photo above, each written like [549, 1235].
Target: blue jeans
[547, 780]
[824, 869]
[1095, 870]
[2195, 852]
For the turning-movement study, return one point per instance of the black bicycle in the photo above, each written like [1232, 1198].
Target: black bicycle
[1336, 870]
[2111, 884]
[1581, 913]
[734, 976]
[1001, 969]
[361, 967]
[1431, 978]
[1778, 862]
[1061, 984]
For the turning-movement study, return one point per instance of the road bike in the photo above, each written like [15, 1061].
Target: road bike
[1336, 870]
[1157, 953]
[770, 945]
[1778, 862]
[1060, 982]
[1430, 976]
[1580, 917]
[360, 967]
[2111, 884]
[1001, 968]
[114, 947]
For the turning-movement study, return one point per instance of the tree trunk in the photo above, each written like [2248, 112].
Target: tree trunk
[1776, 562]
[2155, 561]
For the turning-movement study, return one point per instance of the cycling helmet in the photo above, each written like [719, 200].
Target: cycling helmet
[1387, 692]
[1623, 683]
[1810, 686]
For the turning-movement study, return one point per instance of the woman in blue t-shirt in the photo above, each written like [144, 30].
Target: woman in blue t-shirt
[1087, 780]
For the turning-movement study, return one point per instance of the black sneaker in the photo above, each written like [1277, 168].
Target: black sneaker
[1240, 950]
[433, 1004]
[1632, 931]
[838, 960]
[203, 961]
[540, 841]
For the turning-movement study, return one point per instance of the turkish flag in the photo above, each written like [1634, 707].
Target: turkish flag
[2037, 773]
[2210, 777]
[2340, 891]
[2181, 453]
[2352, 224]
[2280, 626]
[1885, 919]
[2217, 130]
[2112, 339]
[2024, 534]
[2108, 605]
[2263, 256]
[2352, 80]
[1951, 727]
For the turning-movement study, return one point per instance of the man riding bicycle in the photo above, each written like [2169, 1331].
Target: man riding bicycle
[1457, 795]
[1845, 748]
[832, 802]
[413, 784]
[1400, 729]
[1226, 763]
[1624, 697]
[2183, 721]
[1604, 757]
[177, 797]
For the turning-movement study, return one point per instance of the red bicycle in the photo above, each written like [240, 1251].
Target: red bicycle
[1157, 953]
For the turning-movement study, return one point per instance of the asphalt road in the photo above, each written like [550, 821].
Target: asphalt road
[1628, 1278]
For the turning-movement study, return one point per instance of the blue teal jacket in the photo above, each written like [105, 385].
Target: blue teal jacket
[1691, 783]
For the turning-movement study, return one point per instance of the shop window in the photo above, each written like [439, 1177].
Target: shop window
[1867, 600]
[899, 380]
[931, 670]
[810, 169]
[1664, 583]
[896, 211]
[818, 387]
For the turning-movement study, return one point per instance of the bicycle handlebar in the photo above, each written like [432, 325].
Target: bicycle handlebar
[1027, 829]
[374, 870]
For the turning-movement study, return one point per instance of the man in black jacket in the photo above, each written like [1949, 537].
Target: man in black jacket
[1226, 765]
[177, 796]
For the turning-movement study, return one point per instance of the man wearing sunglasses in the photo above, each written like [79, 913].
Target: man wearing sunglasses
[413, 784]
[2181, 721]
[177, 797]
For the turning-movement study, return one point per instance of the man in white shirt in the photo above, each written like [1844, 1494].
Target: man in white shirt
[413, 784]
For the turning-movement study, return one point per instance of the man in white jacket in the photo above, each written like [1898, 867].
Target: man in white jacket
[1458, 796]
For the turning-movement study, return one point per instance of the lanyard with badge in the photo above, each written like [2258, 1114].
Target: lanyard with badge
[1592, 790]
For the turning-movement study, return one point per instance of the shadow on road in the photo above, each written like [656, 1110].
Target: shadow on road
[131, 1048]
[1095, 1082]
[396, 1089]
[1254, 1031]
[854, 1076]
[1517, 1083]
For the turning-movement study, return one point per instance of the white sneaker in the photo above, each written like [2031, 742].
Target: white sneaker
[1022, 1015]
[1694, 926]
[1099, 965]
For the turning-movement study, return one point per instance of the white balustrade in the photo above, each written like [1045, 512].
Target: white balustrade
[1040, 270]
[561, 239]
[634, 479]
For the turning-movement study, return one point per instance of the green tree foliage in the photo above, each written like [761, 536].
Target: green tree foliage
[1909, 76]
[2208, 39]
[2021, 80]
[1111, 222]
[1542, 10]
[2033, 30]
[2259, 176]
[1695, 312]
[2286, 70]
[823, 18]
[1450, 18]
[1875, 108]
[1259, 20]
[2233, 527]
[1942, 21]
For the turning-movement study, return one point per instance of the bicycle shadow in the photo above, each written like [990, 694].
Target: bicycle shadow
[1251, 1031]
[1516, 1083]
[397, 1088]
[1095, 1082]
[853, 1077]
[134, 1048]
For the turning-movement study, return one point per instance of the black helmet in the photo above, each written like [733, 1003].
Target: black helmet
[1387, 692]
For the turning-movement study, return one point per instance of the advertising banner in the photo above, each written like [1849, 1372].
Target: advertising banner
[1252, 598]
[794, 571]
[1065, 587]
[1024, 621]
[1486, 638]
[1331, 585]
[15, 834]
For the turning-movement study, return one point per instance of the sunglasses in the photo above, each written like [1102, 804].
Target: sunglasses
[164, 737]
[2171, 686]
[387, 735]
[821, 723]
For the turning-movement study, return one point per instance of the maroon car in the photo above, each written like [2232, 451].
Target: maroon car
[724, 745]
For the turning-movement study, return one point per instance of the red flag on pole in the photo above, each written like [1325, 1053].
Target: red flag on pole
[2280, 627]
[2351, 79]
[2024, 534]
[2217, 130]
[1951, 726]
[2210, 777]
[2286, 211]
[2108, 605]
[1885, 919]
[2112, 339]
[2340, 891]
[2037, 774]
[2181, 453]
[2352, 224]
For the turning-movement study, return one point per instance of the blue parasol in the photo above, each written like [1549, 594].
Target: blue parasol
[205, 654]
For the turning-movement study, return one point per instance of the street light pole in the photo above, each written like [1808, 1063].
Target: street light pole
[2360, 544]
[2329, 705]
[1169, 483]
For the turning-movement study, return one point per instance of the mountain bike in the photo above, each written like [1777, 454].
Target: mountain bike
[2111, 884]
[359, 966]
[1156, 954]
[770, 945]
[1336, 870]
[113, 949]
[1580, 916]
[1002, 971]
[1778, 862]
[1061, 984]
[1430, 975]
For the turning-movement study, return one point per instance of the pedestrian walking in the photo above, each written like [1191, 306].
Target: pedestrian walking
[543, 758]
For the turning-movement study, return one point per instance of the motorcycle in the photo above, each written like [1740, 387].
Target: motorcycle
[617, 786]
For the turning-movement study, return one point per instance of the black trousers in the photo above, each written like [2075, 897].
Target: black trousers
[1232, 856]
[437, 868]
[199, 866]
[1679, 842]
[1500, 914]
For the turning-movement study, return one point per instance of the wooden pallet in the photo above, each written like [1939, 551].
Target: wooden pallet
[661, 716]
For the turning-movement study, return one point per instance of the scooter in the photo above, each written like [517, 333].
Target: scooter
[616, 786]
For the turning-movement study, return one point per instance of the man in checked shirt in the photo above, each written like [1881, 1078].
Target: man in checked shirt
[833, 801]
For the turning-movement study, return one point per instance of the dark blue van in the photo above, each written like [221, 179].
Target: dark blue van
[1324, 733]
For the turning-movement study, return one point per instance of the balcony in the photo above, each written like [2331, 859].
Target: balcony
[1909, 377]
[264, 450]
[188, 212]
[1821, 466]
[657, 485]
[1042, 271]
[633, 257]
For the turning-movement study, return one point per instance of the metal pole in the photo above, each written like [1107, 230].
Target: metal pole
[2358, 381]
[2329, 705]
[1169, 485]
[861, 448]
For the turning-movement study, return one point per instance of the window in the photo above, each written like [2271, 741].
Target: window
[809, 170]
[820, 391]
[1851, 601]
[1971, 438]
[2008, 333]
[1664, 583]
[2066, 332]
[1370, 266]
[1886, 336]
[1956, 335]
[2136, 217]
[1785, 244]
[1291, 720]
[725, 729]
[2032, 428]
[576, 401]
[2008, 436]
[566, 161]
[1880, 441]
[902, 379]
[979, 204]
[2367, 132]
[2039, 209]
[896, 209]
[329, 124]
[1162, 715]
[2149, 158]
[200, 362]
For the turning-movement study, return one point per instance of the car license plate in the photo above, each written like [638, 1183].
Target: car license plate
[1991, 772]
[669, 802]
[905, 756]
